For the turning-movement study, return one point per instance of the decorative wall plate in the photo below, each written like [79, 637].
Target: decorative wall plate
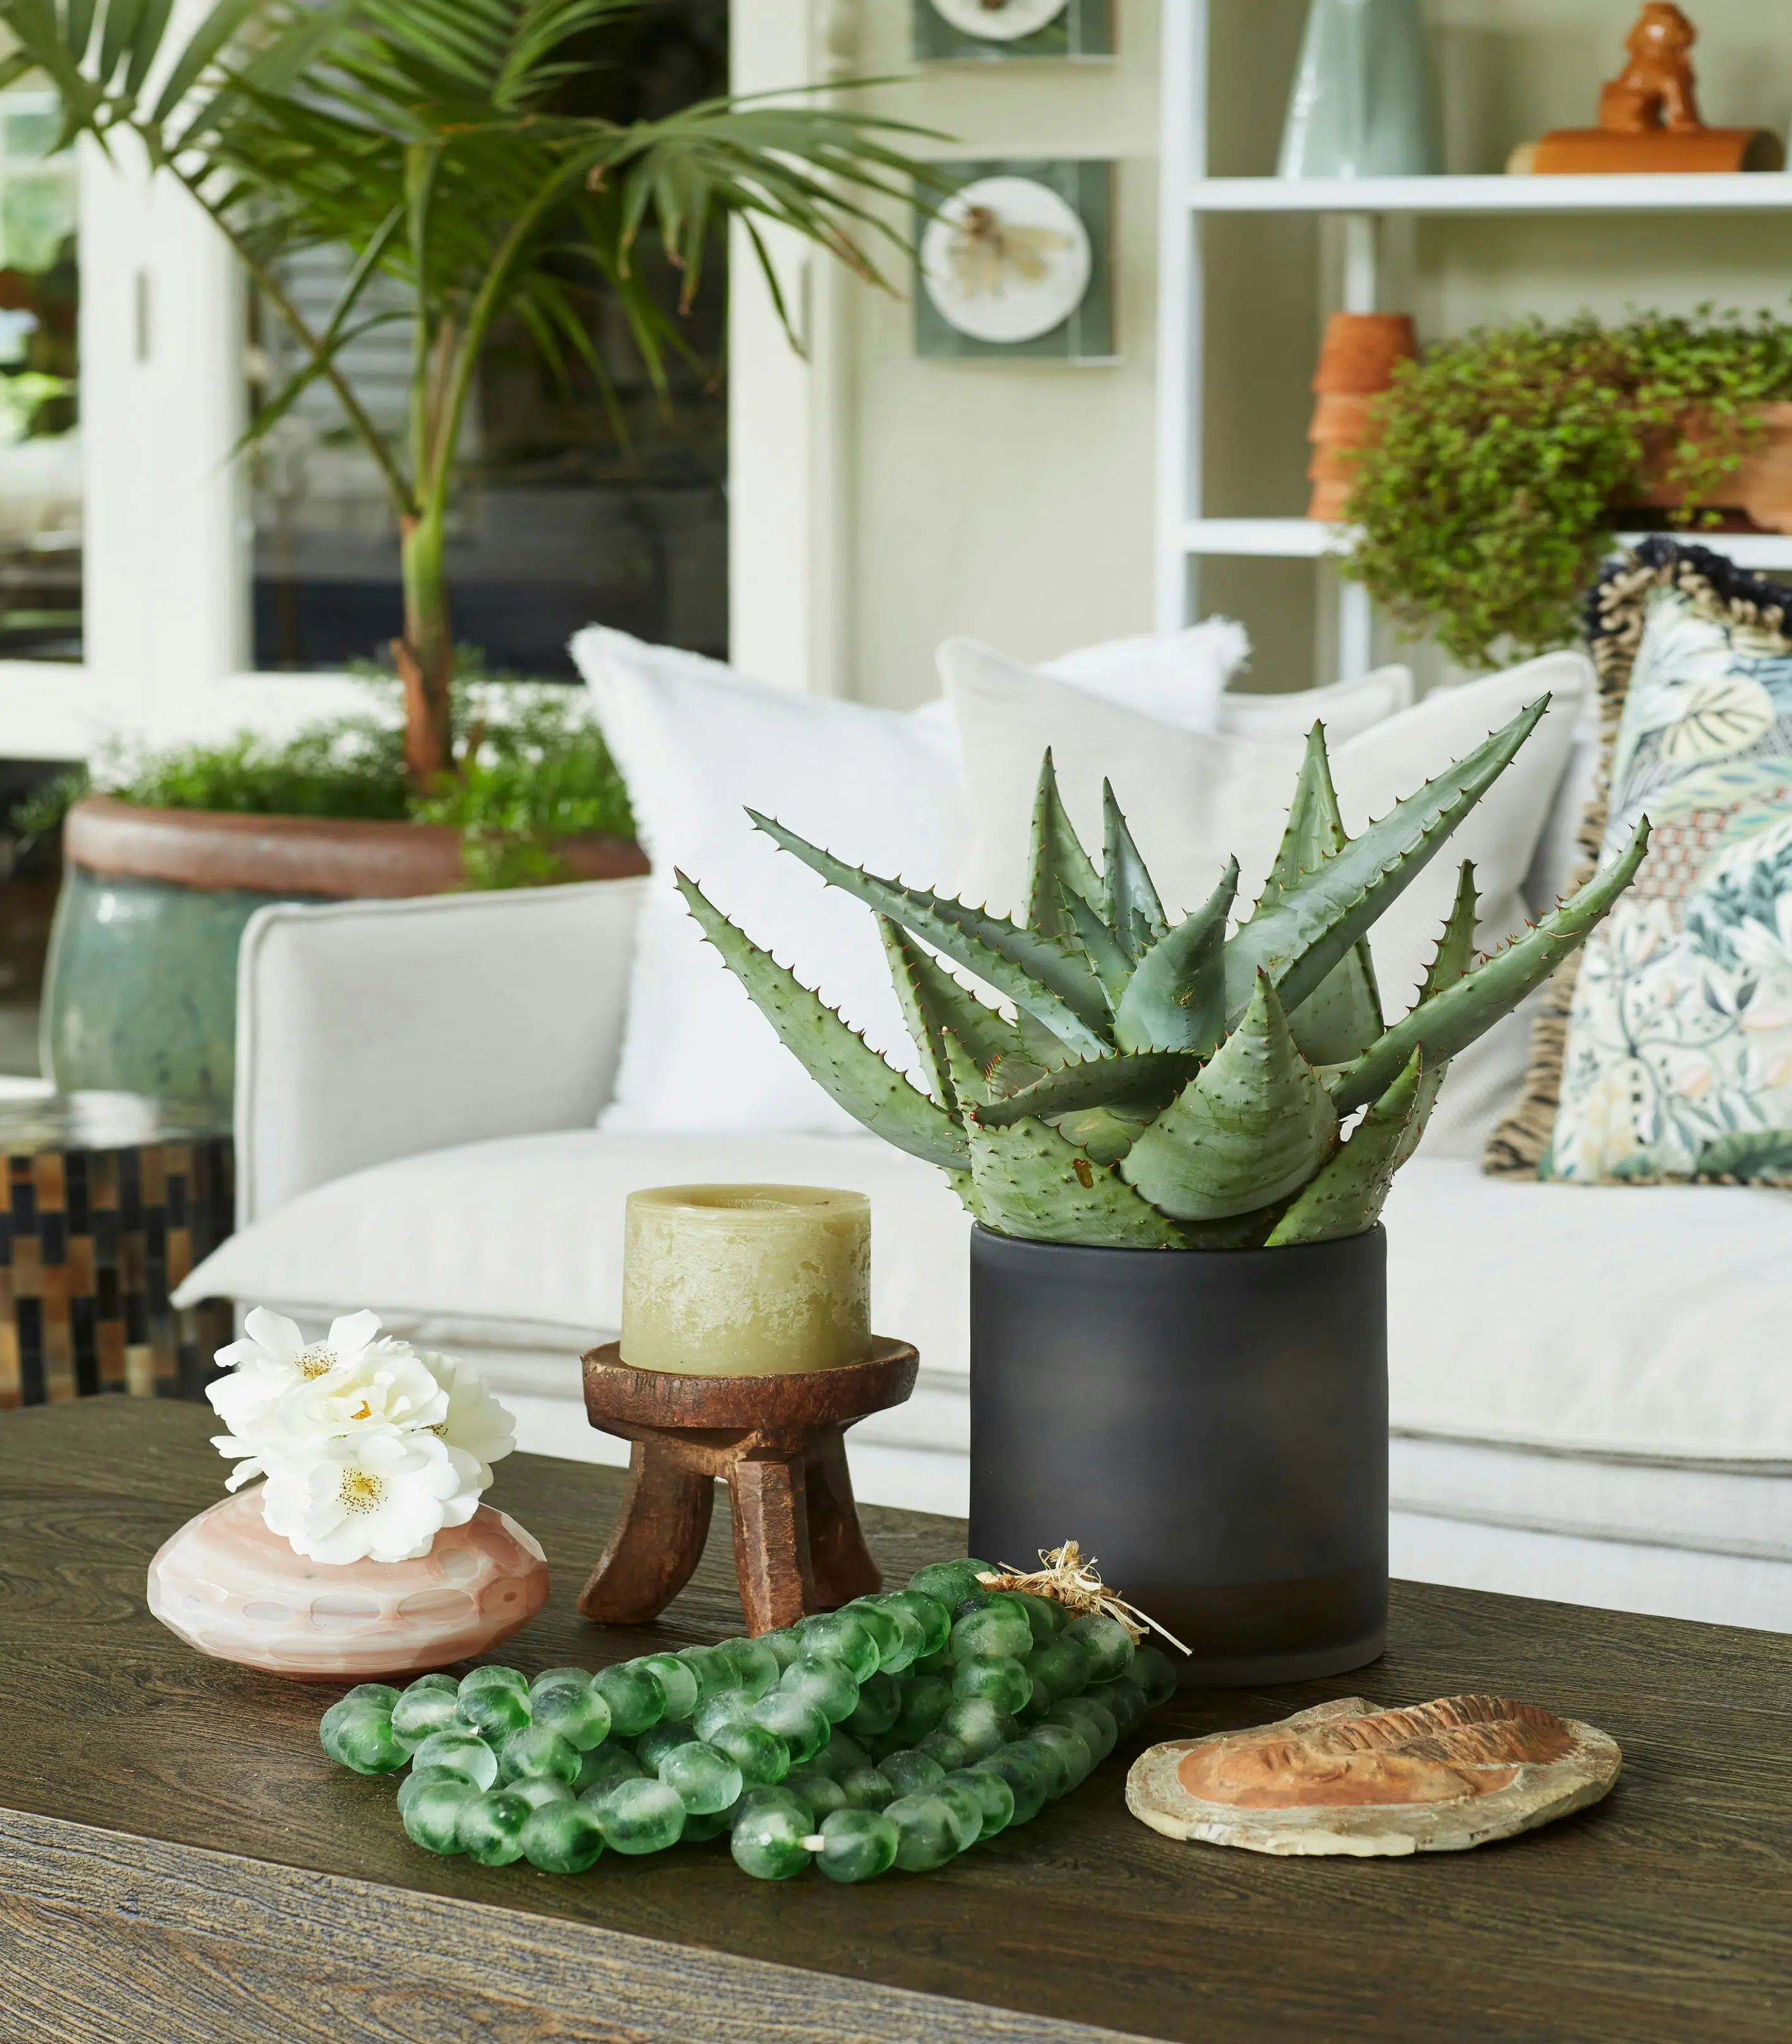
[1016, 260]
[983, 30]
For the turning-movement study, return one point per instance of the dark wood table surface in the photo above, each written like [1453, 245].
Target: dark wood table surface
[179, 1863]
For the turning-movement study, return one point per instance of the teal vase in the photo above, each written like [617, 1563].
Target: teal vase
[1361, 106]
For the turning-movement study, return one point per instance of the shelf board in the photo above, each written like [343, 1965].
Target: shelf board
[1307, 539]
[1671, 192]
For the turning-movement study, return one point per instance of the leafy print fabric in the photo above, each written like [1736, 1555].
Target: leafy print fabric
[1678, 1062]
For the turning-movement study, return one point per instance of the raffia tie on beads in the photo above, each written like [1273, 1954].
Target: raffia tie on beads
[1068, 1579]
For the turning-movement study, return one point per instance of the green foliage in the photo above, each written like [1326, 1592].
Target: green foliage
[1159, 1118]
[1488, 498]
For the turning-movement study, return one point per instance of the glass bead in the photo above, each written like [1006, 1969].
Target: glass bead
[786, 1644]
[896, 1652]
[841, 1636]
[932, 1616]
[713, 1672]
[535, 1753]
[707, 1780]
[762, 1756]
[1092, 1721]
[363, 1740]
[699, 1830]
[603, 1767]
[490, 1675]
[1047, 1617]
[928, 1832]
[884, 1626]
[909, 1772]
[492, 1709]
[1028, 1772]
[973, 1599]
[1065, 1667]
[381, 1695]
[857, 1845]
[756, 1667]
[801, 1725]
[820, 1793]
[677, 1683]
[865, 1788]
[463, 1754]
[652, 1747]
[1125, 1700]
[995, 1799]
[640, 1816]
[578, 1716]
[996, 1679]
[926, 1699]
[562, 1837]
[841, 1752]
[1070, 1747]
[966, 1808]
[490, 1827]
[726, 1706]
[633, 1695]
[976, 1724]
[826, 1684]
[948, 1581]
[948, 1751]
[766, 1840]
[425, 1706]
[539, 1790]
[1151, 1668]
[997, 1629]
[551, 1678]
[939, 1663]
[419, 1779]
[1038, 1703]
[880, 1703]
[432, 1817]
[1108, 1643]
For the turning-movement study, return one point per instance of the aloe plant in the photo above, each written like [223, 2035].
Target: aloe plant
[1183, 1086]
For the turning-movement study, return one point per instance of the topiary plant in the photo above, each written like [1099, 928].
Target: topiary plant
[1485, 504]
[1173, 1088]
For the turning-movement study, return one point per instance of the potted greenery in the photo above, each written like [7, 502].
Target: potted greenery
[1506, 458]
[427, 140]
[1178, 1310]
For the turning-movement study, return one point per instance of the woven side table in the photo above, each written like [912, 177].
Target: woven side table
[111, 1200]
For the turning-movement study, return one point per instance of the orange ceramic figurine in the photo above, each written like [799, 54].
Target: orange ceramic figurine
[1648, 116]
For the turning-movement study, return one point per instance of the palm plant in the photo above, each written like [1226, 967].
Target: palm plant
[1184, 1087]
[425, 140]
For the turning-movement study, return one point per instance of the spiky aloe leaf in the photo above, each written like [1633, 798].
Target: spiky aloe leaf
[1322, 916]
[1039, 974]
[1453, 957]
[1104, 1134]
[1760, 1155]
[1056, 862]
[1252, 1129]
[1175, 1000]
[1342, 1017]
[1133, 912]
[1113, 963]
[1031, 1182]
[1452, 1019]
[1040, 1046]
[1347, 1195]
[933, 1002]
[1148, 1077]
[838, 1058]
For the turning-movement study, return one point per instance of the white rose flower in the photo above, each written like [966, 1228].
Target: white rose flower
[274, 1358]
[381, 1494]
[475, 1421]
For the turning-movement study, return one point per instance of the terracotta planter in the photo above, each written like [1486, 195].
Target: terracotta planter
[1355, 365]
[1761, 488]
[140, 991]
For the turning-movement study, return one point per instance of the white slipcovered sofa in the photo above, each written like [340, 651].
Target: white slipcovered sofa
[1591, 1389]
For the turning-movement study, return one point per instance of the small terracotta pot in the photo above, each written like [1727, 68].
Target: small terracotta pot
[1355, 365]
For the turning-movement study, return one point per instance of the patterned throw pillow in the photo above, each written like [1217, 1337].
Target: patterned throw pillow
[1664, 1052]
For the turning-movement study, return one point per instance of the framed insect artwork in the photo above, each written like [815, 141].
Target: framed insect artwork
[995, 30]
[1018, 262]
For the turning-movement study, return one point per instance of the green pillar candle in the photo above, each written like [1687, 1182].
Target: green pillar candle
[746, 1280]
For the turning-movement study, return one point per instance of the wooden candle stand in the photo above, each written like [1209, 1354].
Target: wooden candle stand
[777, 1442]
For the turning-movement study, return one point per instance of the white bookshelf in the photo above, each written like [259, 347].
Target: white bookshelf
[1188, 195]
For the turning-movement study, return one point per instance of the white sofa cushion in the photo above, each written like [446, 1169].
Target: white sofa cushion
[1180, 676]
[1561, 1318]
[698, 743]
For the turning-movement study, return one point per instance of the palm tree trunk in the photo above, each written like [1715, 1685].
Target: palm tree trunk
[425, 656]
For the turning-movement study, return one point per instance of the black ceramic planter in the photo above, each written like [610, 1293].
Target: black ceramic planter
[1211, 1426]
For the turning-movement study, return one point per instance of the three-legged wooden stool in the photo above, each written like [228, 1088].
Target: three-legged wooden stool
[777, 1441]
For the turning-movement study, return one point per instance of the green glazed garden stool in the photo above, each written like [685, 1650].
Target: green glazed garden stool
[111, 1200]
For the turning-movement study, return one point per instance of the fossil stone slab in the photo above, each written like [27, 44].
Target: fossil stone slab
[1347, 1777]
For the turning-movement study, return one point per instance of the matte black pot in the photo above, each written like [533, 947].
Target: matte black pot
[1210, 1426]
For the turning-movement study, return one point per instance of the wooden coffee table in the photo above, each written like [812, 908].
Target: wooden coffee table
[180, 1864]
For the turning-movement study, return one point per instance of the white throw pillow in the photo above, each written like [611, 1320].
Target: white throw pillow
[1193, 798]
[696, 743]
[1346, 708]
[1179, 676]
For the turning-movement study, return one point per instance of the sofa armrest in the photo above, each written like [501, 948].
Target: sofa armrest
[376, 1029]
